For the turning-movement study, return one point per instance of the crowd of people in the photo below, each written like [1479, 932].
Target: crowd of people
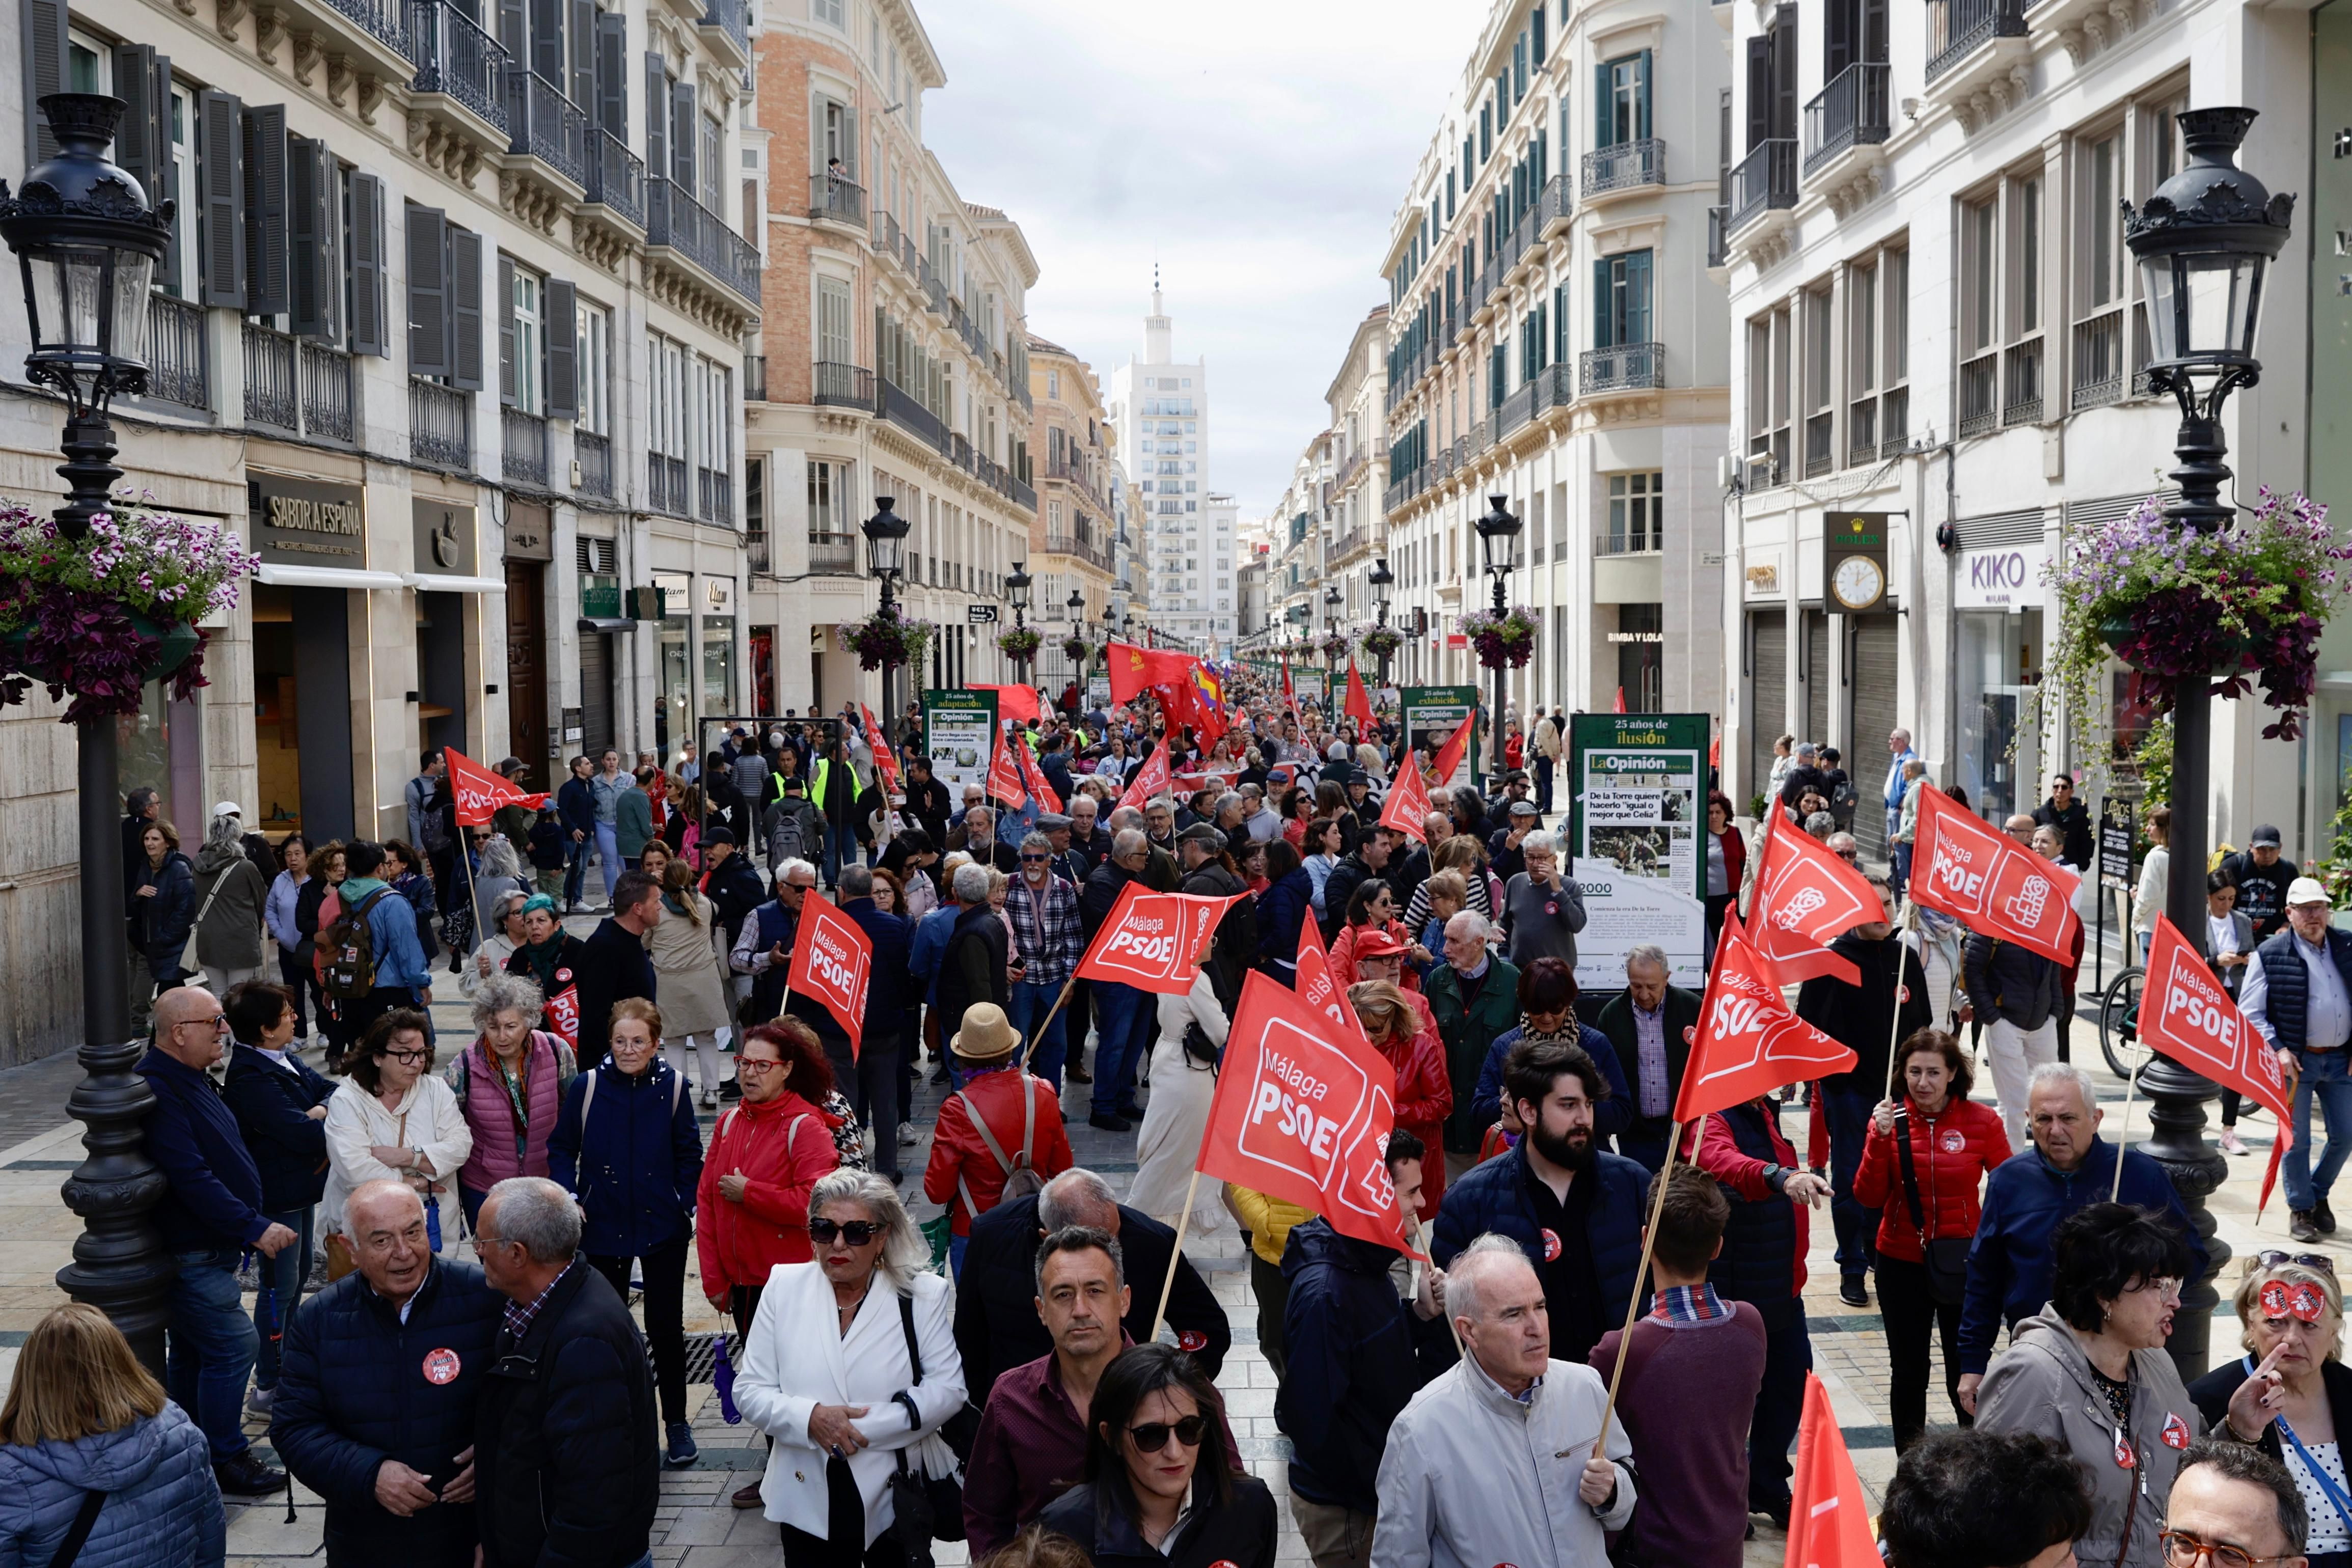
[446, 1238]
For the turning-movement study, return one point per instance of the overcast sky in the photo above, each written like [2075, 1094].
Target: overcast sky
[1256, 149]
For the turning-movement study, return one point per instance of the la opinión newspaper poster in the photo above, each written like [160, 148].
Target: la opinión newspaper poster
[1637, 808]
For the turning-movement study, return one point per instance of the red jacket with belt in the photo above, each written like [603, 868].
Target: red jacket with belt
[961, 1156]
[1953, 1151]
[1424, 1098]
[740, 1243]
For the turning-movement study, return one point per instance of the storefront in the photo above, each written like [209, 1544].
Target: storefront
[589, 728]
[529, 547]
[674, 701]
[451, 681]
[1997, 604]
[717, 604]
[1640, 642]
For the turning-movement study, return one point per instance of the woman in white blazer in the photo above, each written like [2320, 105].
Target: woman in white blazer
[825, 1373]
[393, 1120]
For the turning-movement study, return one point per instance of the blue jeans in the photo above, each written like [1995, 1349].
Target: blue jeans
[1780, 1402]
[575, 869]
[955, 1255]
[1030, 1002]
[608, 856]
[1543, 783]
[1901, 877]
[1847, 1112]
[2325, 1074]
[210, 1347]
[284, 1275]
[1130, 1017]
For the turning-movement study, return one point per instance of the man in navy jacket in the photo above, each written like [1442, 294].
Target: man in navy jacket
[210, 1211]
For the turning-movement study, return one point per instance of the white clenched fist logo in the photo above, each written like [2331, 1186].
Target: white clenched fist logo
[1802, 902]
[2027, 905]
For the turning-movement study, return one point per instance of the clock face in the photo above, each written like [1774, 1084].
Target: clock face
[1858, 583]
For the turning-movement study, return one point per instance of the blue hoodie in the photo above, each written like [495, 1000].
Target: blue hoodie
[162, 1507]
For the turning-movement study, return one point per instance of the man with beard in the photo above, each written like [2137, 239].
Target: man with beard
[1575, 1210]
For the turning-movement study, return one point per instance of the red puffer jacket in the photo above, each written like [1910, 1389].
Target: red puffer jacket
[961, 1158]
[782, 1147]
[1953, 1151]
[1424, 1098]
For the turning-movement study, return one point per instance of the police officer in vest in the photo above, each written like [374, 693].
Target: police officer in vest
[2297, 990]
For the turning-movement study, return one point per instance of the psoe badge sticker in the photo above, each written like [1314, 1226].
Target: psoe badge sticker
[1551, 1247]
[1951, 1140]
[441, 1366]
[1192, 1342]
[2175, 1432]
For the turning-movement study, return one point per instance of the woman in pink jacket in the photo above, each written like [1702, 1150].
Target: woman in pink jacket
[510, 1082]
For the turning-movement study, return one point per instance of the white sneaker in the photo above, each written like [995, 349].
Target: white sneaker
[907, 1136]
[260, 1401]
[709, 1102]
[2231, 1143]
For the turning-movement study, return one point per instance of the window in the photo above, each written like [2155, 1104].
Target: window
[1054, 388]
[1623, 101]
[1820, 420]
[1636, 515]
[834, 339]
[1767, 398]
[830, 502]
[1621, 299]
[595, 340]
[530, 341]
[2001, 307]
[829, 12]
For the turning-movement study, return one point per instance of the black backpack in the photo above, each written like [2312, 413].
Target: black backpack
[349, 972]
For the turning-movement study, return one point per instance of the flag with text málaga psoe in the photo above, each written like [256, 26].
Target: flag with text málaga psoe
[1151, 780]
[1990, 883]
[1748, 1041]
[1005, 776]
[1408, 798]
[1806, 898]
[2187, 1014]
[833, 961]
[885, 763]
[1154, 941]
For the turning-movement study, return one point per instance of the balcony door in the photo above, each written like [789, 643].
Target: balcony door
[1854, 32]
[1772, 81]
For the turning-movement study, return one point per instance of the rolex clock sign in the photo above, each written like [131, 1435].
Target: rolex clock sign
[1854, 561]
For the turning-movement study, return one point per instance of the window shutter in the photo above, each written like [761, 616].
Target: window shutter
[562, 335]
[1560, 322]
[506, 330]
[1784, 73]
[368, 335]
[1641, 98]
[1537, 23]
[266, 248]
[1601, 338]
[1637, 298]
[428, 291]
[547, 41]
[1874, 31]
[44, 22]
[465, 310]
[312, 179]
[1837, 38]
[613, 75]
[514, 32]
[1759, 90]
[582, 46]
[656, 118]
[682, 135]
[220, 174]
[135, 146]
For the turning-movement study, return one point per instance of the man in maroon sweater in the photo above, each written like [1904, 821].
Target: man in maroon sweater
[1689, 1387]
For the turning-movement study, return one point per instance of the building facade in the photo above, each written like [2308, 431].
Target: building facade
[1160, 407]
[1073, 535]
[1357, 399]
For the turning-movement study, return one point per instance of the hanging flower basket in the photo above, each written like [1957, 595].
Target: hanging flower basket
[2243, 606]
[101, 616]
[1382, 643]
[1508, 639]
[1077, 650]
[886, 637]
[1334, 647]
[1021, 644]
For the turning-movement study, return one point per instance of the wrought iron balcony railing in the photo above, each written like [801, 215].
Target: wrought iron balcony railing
[1765, 179]
[440, 425]
[1624, 165]
[678, 221]
[455, 55]
[1849, 112]
[177, 368]
[546, 125]
[616, 176]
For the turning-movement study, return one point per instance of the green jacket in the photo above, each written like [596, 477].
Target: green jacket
[1468, 1026]
[1616, 1021]
[632, 823]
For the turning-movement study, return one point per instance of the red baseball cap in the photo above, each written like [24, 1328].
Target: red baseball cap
[1378, 944]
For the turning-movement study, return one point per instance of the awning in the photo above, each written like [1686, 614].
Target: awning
[325, 576]
[426, 583]
[606, 624]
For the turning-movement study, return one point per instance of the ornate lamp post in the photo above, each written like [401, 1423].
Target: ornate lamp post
[88, 244]
[2204, 241]
[1016, 588]
[886, 539]
[1382, 580]
[1076, 605]
[1498, 537]
[1331, 626]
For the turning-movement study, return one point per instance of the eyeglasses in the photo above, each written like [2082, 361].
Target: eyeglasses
[409, 1055]
[2319, 1261]
[754, 1064]
[856, 1232]
[2162, 1284]
[217, 1023]
[1152, 1437]
[1036, 860]
[2182, 1550]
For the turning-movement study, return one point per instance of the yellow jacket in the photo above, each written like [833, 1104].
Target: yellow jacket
[1269, 1220]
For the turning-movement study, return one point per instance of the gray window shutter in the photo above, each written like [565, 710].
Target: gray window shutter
[428, 291]
[267, 250]
[583, 55]
[304, 176]
[465, 310]
[562, 353]
[44, 22]
[367, 265]
[220, 176]
[683, 132]
[547, 40]
[514, 33]
[506, 330]
[613, 75]
[143, 79]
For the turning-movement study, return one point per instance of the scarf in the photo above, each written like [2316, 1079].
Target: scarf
[544, 959]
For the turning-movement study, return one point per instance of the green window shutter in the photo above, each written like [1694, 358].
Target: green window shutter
[1600, 137]
[1637, 298]
[1601, 337]
[1641, 98]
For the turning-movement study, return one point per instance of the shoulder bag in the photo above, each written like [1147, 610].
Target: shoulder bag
[85, 1521]
[1014, 1169]
[188, 964]
[924, 1508]
[1946, 1258]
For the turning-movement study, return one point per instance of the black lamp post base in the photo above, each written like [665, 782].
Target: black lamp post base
[119, 1266]
[2176, 1112]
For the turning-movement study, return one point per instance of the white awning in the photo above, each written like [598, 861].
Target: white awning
[326, 576]
[426, 583]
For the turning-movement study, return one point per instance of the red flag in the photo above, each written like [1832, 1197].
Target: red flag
[1829, 1522]
[1154, 941]
[1317, 988]
[1033, 776]
[833, 961]
[885, 766]
[1151, 779]
[1013, 702]
[1360, 701]
[1805, 898]
[2187, 1014]
[1990, 883]
[1289, 698]
[1408, 797]
[1133, 668]
[1449, 755]
[1303, 1112]
[1620, 701]
[1005, 776]
[1748, 1041]
[481, 792]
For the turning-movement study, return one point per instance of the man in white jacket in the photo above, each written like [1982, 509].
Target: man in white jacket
[1493, 1462]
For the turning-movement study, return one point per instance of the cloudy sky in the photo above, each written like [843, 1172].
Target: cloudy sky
[1256, 150]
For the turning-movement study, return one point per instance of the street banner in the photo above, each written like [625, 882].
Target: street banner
[1314, 685]
[2118, 839]
[833, 961]
[1151, 780]
[1990, 883]
[959, 738]
[1433, 717]
[1636, 817]
[1829, 1521]
[1033, 776]
[480, 792]
[1805, 899]
[1303, 1112]
[1014, 702]
[1004, 775]
[1317, 988]
[1132, 669]
[1154, 941]
[1408, 799]
[886, 765]
[1748, 1041]
[1360, 701]
[2187, 1014]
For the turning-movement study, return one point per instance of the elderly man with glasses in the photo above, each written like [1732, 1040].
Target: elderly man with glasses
[1043, 910]
[210, 1213]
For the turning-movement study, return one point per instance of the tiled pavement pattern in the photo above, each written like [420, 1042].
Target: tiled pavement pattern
[698, 1529]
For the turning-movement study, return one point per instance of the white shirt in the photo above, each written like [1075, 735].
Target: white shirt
[428, 1118]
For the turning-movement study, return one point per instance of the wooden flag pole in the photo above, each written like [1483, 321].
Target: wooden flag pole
[1191, 1189]
[1895, 1024]
[1649, 1244]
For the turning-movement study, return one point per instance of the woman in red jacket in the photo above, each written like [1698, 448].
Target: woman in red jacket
[1002, 1120]
[1931, 1198]
[1400, 1025]
[751, 1205]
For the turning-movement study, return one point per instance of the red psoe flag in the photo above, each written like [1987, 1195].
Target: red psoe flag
[1151, 780]
[480, 792]
[1005, 776]
[1154, 941]
[1303, 1112]
[1408, 797]
[1449, 755]
[1360, 701]
[1013, 702]
[834, 962]
[1805, 899]
[1620, 706]
[1990, 882]
[884, 763]
[1317, 986]
[1033, 776]
[1748, 1041]
[1829, 1522]
[2185, 1014]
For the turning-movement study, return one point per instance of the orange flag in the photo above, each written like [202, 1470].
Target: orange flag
[1829, 1521]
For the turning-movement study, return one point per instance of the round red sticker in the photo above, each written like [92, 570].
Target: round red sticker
[563, 976]
[1191, 1340]
[1951, 1141]
[1552, 906]
[1551, 1247]
[2175, 1432]
[441, 1366]
[1690, 1034]
[2126, 1455]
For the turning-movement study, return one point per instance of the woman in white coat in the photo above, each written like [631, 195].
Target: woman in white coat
[1182, 1083]
[393, 1120]
[827, 1375]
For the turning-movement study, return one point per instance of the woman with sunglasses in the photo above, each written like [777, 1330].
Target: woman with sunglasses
[1160, 1489]
[2291, 1323]
[393, 1120]
[850, 1366]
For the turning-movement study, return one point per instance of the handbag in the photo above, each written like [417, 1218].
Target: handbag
[943, 1496]
[1946, 1258]
[188, 964]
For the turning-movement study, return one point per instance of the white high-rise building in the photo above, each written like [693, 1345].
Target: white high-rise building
[1159, 406]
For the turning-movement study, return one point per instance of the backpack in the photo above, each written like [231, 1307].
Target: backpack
[349, 973]
[1020, 1178]
[1844, 799]
[790, 841]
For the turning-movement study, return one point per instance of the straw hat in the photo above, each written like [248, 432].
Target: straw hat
[985, 1035]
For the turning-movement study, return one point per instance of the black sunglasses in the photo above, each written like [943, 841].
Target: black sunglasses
[2319, 1261]
[856, 1232]
[1152, 1436]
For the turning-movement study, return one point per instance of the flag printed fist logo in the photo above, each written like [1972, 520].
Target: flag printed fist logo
[1803, 902]
[2026, 905]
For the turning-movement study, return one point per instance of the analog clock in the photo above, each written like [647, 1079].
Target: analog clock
[1858, 583]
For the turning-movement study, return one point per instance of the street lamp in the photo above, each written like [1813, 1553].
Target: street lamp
[2204, 242]
[88, 244]
[1498, 538]
[1016, 588]
[886, 542]
[1382, 580]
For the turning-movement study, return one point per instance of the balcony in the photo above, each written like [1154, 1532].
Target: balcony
[269, 394]
[1093, 554]
[369, 38]
[522, 447]
[1820, 455]
[326, 381]
[714, 494]
[755, 378]
[676, 221]
[756, 555]
[665, 482]
[904, 410]
[177, 372]
[546, 125]
[1850, 113]
[1627, 367]
[726, 28]
[1762, 182]
[1861, 432]
[1719, 236]
[616, 177]
[1624, 166]
[837, 200]
[440, 425]
[1980, 394]
[836, 554]
[2101, 372]
[1957, 29]
[455, 57]
[592, 455]
[2020, 402]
